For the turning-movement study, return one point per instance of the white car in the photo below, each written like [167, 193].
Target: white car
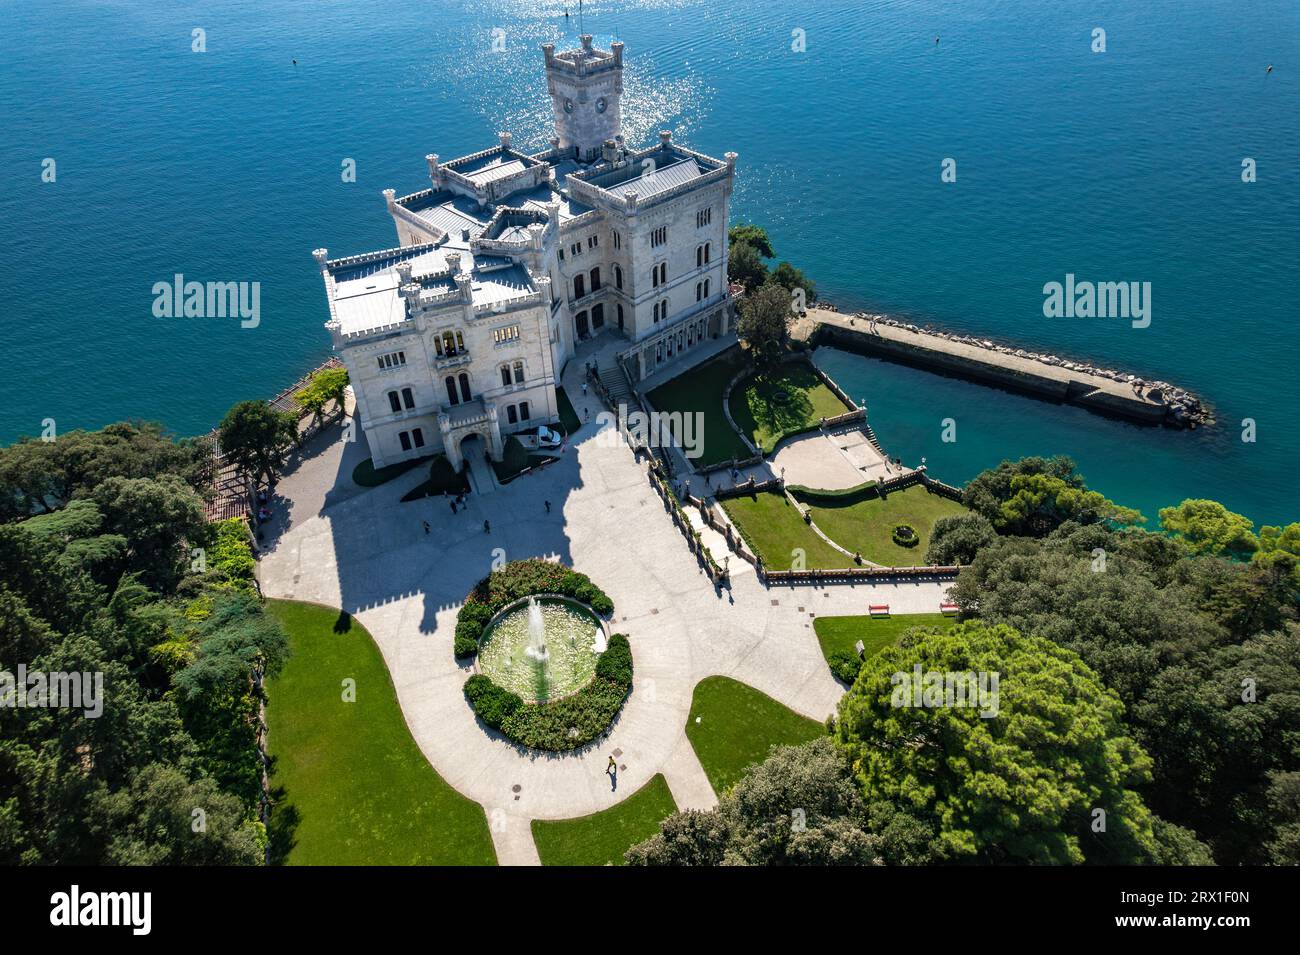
[546, 438]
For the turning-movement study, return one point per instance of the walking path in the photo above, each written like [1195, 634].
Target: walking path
[365, 552]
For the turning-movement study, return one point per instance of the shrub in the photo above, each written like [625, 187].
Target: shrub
[570, 722]
[905, 535]
[956, 539]
[845, 664]
[514, 456]
[616, 662]
[492, 704]
[521, 578]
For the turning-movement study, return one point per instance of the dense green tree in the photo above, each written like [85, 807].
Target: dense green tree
[1208, 527]
[746, 266]
[325, 386]
[1020, 784]
[798, 807]
[791, 278]
[157, 517]
[256, 437]
[38, 476]
[764, 325]
[753, 236]
[956, 539]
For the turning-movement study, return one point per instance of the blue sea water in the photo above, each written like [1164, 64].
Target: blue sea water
[1124, 165]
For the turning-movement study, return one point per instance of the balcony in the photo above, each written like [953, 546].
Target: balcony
[452, 359]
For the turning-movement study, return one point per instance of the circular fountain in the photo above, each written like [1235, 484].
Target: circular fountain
[542, 648]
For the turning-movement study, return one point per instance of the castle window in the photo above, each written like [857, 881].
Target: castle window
[523, 411]
[394, 359]
[394, 402]
[618, 275]
[450, 382]
[618, 239]
[593, 241]
[506, 333]
[658, 237]
[408, 398]
[512, 415]
[579, 286]
[703, 217]
[519, 373]
[708, 250]
[404, 437]
[505, 374]
[418, 434]
[595, 279]
[464, 387]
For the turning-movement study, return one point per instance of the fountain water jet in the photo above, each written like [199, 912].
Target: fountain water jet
[536, 650]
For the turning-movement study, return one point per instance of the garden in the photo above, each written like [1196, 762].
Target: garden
[699, 391]
[603, 837]
[838, 637]
[351, 786]
[780, 401]
[893, 530]
[732, 726]
[541, 683]
[773, 529]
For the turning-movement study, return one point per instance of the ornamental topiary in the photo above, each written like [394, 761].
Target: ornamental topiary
[616, 662]
[492, 704]
[905, 535]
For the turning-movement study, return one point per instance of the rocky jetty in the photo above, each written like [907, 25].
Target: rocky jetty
[1183, 409]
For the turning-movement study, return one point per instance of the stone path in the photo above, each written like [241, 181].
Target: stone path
[364, 551]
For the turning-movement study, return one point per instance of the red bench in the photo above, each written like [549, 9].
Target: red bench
[878, 610]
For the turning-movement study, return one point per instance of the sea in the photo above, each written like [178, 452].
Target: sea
[940, 161]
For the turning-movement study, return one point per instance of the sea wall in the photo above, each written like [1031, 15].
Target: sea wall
[1105, 391]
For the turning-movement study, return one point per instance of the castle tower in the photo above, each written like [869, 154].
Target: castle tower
[586, 87]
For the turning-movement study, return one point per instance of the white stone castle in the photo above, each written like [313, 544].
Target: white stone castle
[511, 259]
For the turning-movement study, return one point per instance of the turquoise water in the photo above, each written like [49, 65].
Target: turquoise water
[1124, 165]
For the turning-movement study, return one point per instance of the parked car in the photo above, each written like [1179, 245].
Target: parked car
[546, 438]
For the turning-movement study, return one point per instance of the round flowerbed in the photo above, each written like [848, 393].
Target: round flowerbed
[562, 723]
[905, 535]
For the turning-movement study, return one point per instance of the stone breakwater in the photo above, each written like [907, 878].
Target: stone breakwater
[1104, 390]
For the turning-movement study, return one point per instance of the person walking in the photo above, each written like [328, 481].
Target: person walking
[487, 527]
[426, 526]
[548, 506]
[584, 388]
[453, 507]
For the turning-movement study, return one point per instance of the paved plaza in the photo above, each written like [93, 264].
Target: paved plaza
[366, 552]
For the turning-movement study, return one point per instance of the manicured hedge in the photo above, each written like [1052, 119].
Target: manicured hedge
[566, 723]
[520, 578]
[230, 556]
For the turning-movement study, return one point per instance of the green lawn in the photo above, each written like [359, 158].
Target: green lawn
[603, 837]
[569, 420]
[876, 633]
[700, 390]
[737, 727]
[351, 786]
[864, 522]
[786, 399]
[773, 527]
[366, 475]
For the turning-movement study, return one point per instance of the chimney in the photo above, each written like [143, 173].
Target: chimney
[665, 137]
[435, 173]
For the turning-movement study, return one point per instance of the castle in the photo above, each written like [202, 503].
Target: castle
[510, 260]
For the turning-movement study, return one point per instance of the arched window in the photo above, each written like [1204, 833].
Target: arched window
[408, 398]
[579, 286]
[505, 374]
[451, 390]
[618, 275]
[708, 248]
[393, 402]
[699, 290]
[595, 279]
[519, 373]
[706, 288]
[699, 256]
[464, 387]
